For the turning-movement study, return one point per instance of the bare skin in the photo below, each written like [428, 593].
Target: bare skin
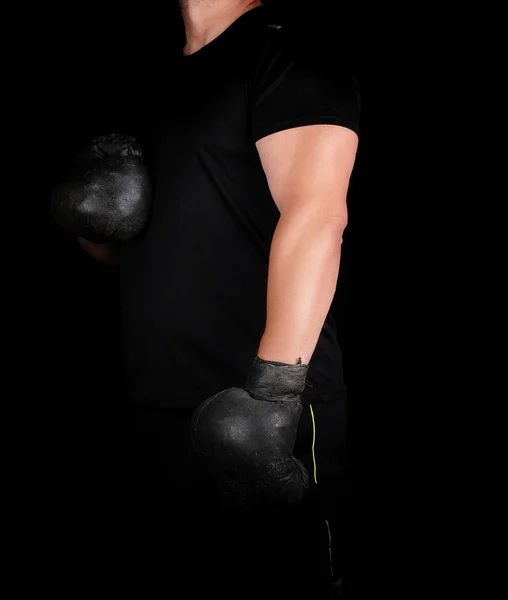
[206, 19]
[106, 254]
[308, 170]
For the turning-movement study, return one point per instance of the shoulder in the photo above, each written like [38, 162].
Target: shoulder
[294, 50]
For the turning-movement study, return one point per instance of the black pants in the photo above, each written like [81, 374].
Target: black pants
[152, 522]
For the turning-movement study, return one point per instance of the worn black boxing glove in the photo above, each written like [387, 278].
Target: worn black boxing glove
[107, 194]
[246, 437]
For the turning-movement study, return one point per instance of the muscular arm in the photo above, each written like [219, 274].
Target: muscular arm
[308, 170]
[106, 254]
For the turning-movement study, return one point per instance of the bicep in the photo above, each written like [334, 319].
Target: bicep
[309, 166]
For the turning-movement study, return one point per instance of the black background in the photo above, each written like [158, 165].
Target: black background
[90, 65]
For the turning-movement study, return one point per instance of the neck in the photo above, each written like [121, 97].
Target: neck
[205, 20]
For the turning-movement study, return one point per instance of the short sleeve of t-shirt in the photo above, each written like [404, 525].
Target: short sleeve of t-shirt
[293, 87]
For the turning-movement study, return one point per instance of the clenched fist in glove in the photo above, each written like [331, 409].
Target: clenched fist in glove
[107, 195]
[246, 436]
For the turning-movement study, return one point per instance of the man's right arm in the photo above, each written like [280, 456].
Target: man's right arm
[104, 197]
[107, 254]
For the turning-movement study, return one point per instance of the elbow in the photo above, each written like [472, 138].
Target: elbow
[339, 221]
[332, 219]
[336, 224]
[321, 226]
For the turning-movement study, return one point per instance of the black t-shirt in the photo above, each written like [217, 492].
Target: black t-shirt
[194, 282]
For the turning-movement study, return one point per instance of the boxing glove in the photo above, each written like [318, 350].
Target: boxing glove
[246, 437]
[107, 194]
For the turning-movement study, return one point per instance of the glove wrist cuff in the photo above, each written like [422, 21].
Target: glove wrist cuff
[276, 382]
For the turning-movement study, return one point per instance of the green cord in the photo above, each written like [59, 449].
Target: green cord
[313, 442]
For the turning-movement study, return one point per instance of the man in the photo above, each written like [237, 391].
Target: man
[251, 149]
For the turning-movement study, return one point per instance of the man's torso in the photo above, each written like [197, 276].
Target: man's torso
[194, 282]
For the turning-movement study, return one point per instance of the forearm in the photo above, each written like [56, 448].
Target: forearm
[106, 254]
[302, 279]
